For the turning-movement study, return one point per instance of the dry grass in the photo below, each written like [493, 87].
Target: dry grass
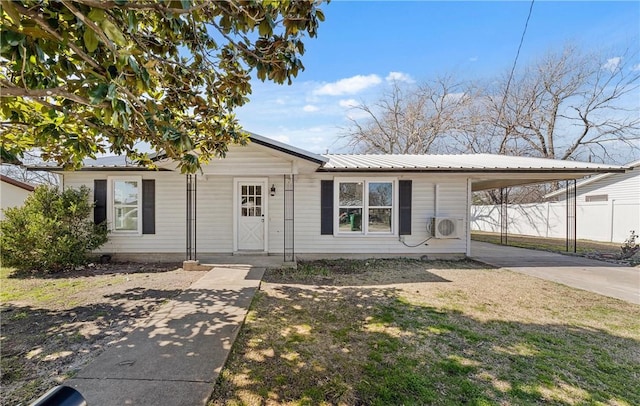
[548, 244]
[412, 332]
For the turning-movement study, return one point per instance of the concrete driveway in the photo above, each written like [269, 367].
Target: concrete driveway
[621, 282]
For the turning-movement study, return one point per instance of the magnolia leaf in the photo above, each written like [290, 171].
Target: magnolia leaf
[265, 28]
[134, 65]
[98, 93]
[90, 40]
[113, 33]
[97, 15]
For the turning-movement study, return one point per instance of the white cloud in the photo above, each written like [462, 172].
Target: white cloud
[310, 108]
[473, 59]
[352, 85]
[612, 63]
[636, 67]
[348, 103]
[399, 77]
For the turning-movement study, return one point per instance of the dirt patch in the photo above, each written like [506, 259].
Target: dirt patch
[53, 325]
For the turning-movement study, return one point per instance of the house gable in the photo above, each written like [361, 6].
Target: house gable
[256, 159]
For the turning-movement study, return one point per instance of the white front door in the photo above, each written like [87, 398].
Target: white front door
[251, 213]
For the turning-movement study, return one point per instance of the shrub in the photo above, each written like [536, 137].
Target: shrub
[51, 232]
[629, 248]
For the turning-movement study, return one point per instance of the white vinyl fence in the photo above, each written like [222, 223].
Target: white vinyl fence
[610, 221]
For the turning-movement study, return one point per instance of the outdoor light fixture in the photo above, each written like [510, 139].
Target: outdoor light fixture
[273, 190]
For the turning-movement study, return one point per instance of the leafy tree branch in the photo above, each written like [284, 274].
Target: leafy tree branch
[90, 76]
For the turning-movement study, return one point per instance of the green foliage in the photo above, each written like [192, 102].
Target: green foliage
[82, 77]
[629, 248]
[51, 232]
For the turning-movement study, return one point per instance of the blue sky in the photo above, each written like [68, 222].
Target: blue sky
[363, 44]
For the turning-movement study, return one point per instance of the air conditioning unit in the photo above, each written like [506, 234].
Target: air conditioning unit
[445, 227]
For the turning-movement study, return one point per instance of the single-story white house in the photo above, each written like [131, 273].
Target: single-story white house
[13, 193]
[271, 198]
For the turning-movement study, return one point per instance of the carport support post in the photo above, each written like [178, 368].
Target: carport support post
[504, 221]
[191, 218]
[572, 215]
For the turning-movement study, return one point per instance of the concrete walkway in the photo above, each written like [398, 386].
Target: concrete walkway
[174, 357]
[621, 282]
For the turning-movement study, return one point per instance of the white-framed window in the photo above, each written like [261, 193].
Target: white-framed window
[125, 204]
[365, 206]
[596, 198]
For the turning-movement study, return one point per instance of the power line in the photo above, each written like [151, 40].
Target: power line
[513, 68]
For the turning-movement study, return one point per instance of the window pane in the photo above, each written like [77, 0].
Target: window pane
[125, 192]
[380, 193]
[350, 220]
[351, 194]
[126, 218]
[380, 220]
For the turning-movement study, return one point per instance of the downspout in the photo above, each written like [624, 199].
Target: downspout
[611, 228]
[435, 200]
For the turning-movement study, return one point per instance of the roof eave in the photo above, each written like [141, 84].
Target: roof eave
[94, 168]
[584, 171]
[17, 183]
[287, 149]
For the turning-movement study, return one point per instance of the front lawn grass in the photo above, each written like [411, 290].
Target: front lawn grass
[443, 333]
[548, 244]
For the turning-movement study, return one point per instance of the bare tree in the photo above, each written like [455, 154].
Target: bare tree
[35, 178]
[565, 105]
[568, 105]
[410, 120]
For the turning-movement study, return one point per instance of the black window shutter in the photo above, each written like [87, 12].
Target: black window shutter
[404, 204]
[100, 200]
[326, 207]
[148, 206]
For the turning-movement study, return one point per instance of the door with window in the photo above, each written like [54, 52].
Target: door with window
[251, 215]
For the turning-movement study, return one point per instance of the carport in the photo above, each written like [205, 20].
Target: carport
[547, 171]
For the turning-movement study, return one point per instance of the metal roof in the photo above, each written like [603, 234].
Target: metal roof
[109, 163]
[457, 163]
[122, 162]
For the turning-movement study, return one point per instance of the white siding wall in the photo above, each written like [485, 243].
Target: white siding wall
[452, 202]
[214, 215]
[11, 196]
[618, 186]
[170, 213]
